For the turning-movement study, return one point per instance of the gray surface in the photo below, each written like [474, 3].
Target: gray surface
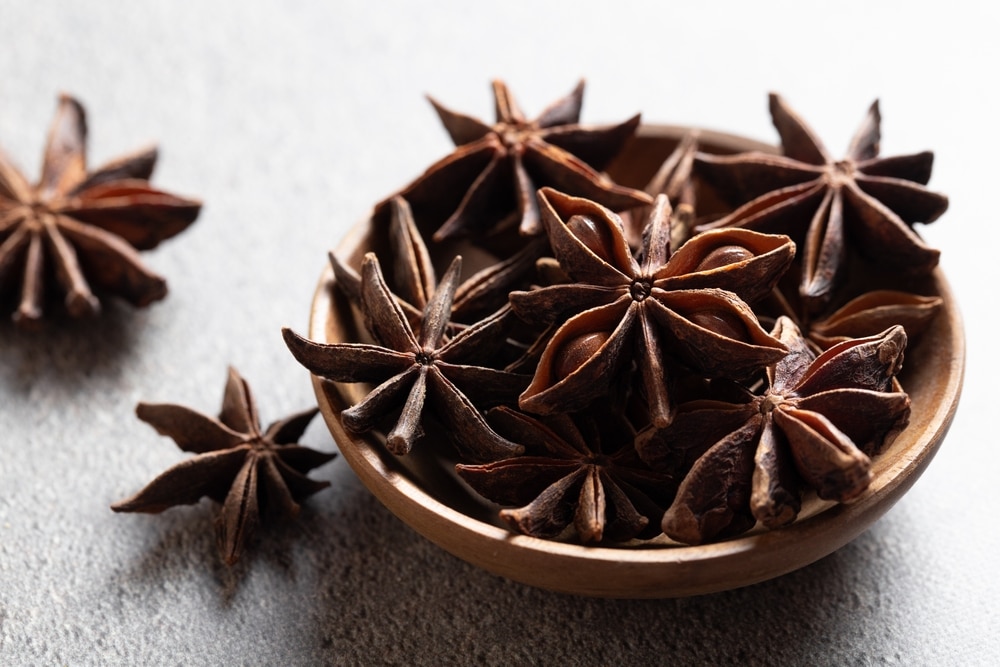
[290, 120]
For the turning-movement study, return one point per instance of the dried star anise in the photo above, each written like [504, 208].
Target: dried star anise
[414, 278]
[865, 315]
[875, 311]
[81, 229]
[581, 470]
[673, 179]
[814, 425]
[488, 183]
[418, 367]
[688, 306]
[248, 470]
[824, 204]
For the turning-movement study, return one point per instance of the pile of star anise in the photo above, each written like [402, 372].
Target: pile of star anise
[634, 361]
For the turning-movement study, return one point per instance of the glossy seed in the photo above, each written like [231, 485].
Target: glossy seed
[721, 322]
[591, 235]
[723, 256]
[575, 353]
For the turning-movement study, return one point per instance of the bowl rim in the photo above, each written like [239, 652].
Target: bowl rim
[641, 572]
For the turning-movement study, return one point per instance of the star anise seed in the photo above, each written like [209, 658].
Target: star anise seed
[248, 470]
[80, 230]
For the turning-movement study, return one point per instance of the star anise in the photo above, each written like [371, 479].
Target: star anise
[814, 425]
[824, 204]
[581, 470]
[414, 277]
[673, 179]
[418, 367]
[250, 471]
[80, 230]
[687, 306]
[488, 183]
[865, 315]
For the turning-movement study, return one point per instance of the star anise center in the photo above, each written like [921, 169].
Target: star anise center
[33, 216]
[841, 172]
[424, 357]
[258, 445]
[770, 401]
[514, 134]
[640, 289]
[598, 460]
[31, 211]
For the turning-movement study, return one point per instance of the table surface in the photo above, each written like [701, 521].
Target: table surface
[289, 120]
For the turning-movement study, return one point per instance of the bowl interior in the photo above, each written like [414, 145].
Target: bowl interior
[422, 489]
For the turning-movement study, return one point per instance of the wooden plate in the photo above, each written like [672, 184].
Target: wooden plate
[424, 492]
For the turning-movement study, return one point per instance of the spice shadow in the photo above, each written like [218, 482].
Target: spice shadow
[64, 348]
[382, 580]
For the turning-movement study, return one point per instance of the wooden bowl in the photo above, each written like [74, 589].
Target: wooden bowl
[424, 492]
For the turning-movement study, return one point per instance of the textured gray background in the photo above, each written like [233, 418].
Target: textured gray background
[290, 119]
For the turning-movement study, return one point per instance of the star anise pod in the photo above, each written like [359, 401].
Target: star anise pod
[824, 204]
[814, 425]
[488, 183]
[414, 277]
[418, 367]
[673, 179]
[873, 311]
[80, 230]
[865, 315]
[249, 470]
[581, 470]
[687, 306]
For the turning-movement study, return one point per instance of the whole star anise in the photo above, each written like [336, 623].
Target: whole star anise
[864, 200]
[416, 368]
[249, 470]
[488, 183]
[80, 230]
[581, 470]
[814, 425]
[687, 306]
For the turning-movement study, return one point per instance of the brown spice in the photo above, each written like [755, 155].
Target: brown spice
[662, 305]
[632, 317]
[79, 229]
[577, 469]
[488, 183]
[864, 201]
[674, 179]
[417, 367]
[813, 425]
[414, 278]
[249, 470]
[865, 315]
